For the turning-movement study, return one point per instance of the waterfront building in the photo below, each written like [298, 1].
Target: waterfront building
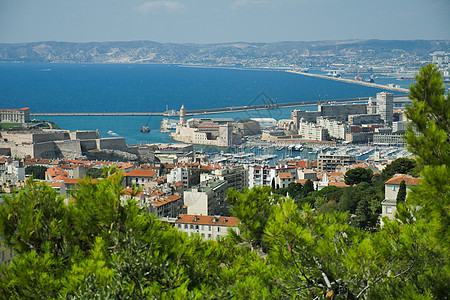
[364, 119]
[247, 127]
[386, 137]
[399, 126]
[335, 129]
[308, 116]
[343, 110]
[312, 131]
[21, 115]
[208, 227]
[207, 198]
[196, 131]
[329, 162]
[385, 106]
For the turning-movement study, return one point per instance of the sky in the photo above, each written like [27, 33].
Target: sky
[218, 21]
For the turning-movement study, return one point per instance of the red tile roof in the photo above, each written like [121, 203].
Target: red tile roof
[409, 180]
[140, 173]
[165, 200]
[285, 175]
[338, 184]
[207, 220]
[301, 181]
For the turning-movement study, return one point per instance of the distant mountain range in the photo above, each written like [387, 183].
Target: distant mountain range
[232, 54]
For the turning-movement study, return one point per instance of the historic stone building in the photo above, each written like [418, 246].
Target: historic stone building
[15, 115]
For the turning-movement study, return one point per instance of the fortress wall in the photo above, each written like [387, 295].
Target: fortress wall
[50, 136]
[45, 150]
[69, 149]
[18, 138]
[87, 145]
[5, 150]
[22, 151]
[84, 135]
[112, 144]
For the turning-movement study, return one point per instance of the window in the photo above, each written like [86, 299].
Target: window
[192, 226]
[185, 226]
[389, 209]
[218, 229]
[196, 227]
[209, 235]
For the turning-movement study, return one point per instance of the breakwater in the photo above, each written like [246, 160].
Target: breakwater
[209, 110]
[371, 84]
[397, 98]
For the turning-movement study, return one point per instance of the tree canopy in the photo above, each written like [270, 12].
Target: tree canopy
[358, 175]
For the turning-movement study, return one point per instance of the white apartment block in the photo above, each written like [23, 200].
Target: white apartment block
[11, 171]
[382, 105]
[329, 162]
[208, 227]
[187, 175]
[236, 177]
[336, 129]
[311, 131]
[264, 175]
[208, 198]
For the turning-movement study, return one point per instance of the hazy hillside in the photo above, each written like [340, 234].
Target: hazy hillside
[239, 53]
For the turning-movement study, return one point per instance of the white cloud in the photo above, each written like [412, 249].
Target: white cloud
[240, 3]
[160, 6]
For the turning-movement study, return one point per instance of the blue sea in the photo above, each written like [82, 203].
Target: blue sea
[147, 88]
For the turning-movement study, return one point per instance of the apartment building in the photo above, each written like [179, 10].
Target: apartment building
[208, 227]
[207, 198]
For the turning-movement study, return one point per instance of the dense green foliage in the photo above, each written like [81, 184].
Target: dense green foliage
[401, 195]
[38, 172]
[95, 173]
[358, 175]
[306, 245]
[401, 165]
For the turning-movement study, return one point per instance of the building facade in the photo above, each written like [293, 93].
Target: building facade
[207, 198]
[208, 227]
[21, 115]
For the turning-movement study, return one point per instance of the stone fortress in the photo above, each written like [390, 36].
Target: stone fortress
[51, 143]
[213, 131]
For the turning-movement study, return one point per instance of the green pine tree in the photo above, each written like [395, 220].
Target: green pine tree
[401, 195]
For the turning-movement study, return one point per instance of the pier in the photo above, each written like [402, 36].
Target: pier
[397, 99]
[371, 84]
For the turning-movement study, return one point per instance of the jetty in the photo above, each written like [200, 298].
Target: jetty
[371, 84]
[399, 99]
